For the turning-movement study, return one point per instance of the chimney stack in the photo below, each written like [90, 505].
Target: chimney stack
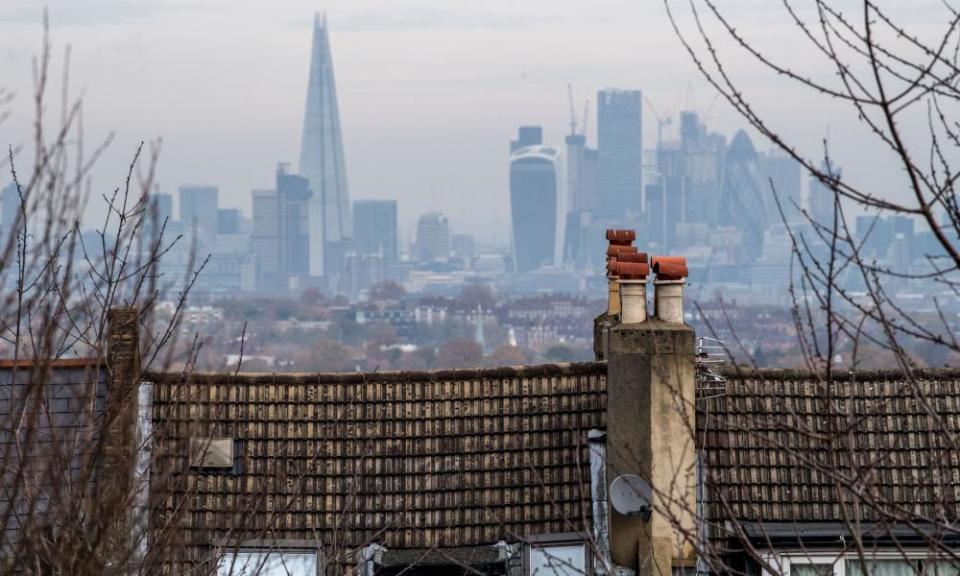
[620, 244]
[651, 417]
[671, 274]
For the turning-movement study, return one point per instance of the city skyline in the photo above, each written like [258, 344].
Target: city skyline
[422, 125]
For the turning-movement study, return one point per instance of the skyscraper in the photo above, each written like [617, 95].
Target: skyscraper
[820, 201]
[265, 238]
[293, 196]
[375, 228]
[321, 157]
[198, 211]
[620, 147]
[533, 205]
[741, 202]
[786, 176]
[9, 208]
[433, 237]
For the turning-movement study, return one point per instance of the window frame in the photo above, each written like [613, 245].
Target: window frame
[836, 557]
[565, 539]
[271, 546]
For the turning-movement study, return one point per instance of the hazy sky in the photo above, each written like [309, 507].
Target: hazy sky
[430, 91]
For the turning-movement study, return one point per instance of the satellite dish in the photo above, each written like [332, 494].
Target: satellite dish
[630, 495]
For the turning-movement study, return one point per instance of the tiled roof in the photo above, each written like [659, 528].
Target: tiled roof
[446, 458]
[48, 420]
[783, 447]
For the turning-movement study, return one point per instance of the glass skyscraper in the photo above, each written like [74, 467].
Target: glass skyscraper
[741, 202]
[321, 159]
[533, 205]
[620, 147]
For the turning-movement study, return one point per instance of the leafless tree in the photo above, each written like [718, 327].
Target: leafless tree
[892, 81]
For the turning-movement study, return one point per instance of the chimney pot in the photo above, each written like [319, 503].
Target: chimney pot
[617, 249]
[622, 237]
[671, 274]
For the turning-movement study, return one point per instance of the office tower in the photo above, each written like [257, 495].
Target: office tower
[375, 228]
[265, 238]
[784, 174]
[198, 211]
[655, 234]
[293, 196]
[321, 157]
[9, 209]
[527, 136]
[820, 201]
[162, 205]
[534, 181]
[701, 164]
[741, 203]
[158, 214]
[433, 237]
[620, 148]
[228, 221]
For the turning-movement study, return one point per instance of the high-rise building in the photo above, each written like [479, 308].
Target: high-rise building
[702, 157]
[293, 196]
[534, 191]
[265, 238]
[375, 228]
[228, 221]
[9, 208]
[198, 211]
[527, 136]
[821, 195]
[785, 175]
[321, 158]
[620, 148]
[433, 237]
[741, 202]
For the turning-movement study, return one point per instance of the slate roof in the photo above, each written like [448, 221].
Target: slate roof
[782, 447]
[416, 460]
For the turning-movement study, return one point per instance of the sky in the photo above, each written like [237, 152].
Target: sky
[430, 91]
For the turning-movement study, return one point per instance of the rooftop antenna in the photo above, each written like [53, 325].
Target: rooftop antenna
[573, 115]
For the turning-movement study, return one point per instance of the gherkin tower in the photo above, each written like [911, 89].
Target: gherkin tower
[321, 158]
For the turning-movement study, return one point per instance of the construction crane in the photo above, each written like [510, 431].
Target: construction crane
[573, 115]
[661, 122]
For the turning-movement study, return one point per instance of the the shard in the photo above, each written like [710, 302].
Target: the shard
[321, 159]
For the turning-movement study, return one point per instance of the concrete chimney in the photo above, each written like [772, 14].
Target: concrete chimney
[650, 427]
[671, 274]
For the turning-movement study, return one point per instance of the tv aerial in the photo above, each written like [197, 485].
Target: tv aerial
[631, 495]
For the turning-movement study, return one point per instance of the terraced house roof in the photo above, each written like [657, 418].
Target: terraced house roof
[414, 460]
[783, 446]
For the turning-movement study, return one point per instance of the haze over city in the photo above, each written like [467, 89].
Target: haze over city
[429, 93]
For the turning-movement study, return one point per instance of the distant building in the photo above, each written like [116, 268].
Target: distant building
[527, 136]
[293, 196]
[375, 228]
[265, 238]
[821, 196]
[703, 155]
[620, 149]
[785, 175]
[580, 235]
[462, 246]
[741, 203]
[321, 158]
[534, 192]
[9, 209]
[433, 237]
[229, 221]
[198, 211]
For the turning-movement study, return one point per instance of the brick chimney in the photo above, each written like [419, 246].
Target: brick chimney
[620, 242]
[651, 420]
